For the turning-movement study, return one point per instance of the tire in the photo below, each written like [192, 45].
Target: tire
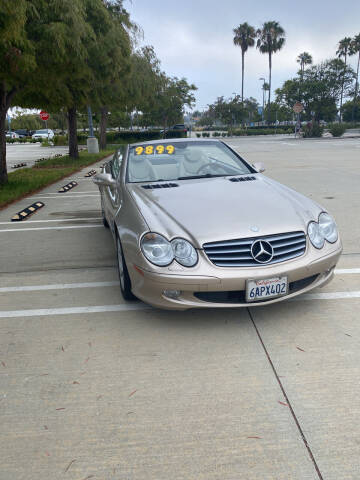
[104, 221]
[125, 282]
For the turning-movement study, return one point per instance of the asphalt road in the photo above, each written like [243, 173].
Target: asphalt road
[28, 153]
[93, 387]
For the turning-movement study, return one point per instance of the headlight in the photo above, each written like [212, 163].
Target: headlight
[328, 227]
[157, 249]
[184, 252]
[315, 235]
[324, 229]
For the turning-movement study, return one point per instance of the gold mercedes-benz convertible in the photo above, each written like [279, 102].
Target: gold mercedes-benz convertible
[195, 225]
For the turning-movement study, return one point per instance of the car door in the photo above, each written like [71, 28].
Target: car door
[111, 195]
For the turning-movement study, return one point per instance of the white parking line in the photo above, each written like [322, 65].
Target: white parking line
[43, 312]
[59, 286]
[347, 271]
[49, 228]
[327, 296]
[59, 220]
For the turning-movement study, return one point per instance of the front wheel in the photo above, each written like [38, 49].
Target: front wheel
[125, 282]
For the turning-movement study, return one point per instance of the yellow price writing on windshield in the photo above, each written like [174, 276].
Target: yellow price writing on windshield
[160, 149]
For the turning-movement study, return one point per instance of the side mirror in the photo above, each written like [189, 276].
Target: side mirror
[259, 167]
[104, 179]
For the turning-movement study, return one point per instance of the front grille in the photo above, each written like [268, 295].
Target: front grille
[239, 296]
[237, 253]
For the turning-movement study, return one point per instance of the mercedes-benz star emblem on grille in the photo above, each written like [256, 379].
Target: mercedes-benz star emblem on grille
[262, 251]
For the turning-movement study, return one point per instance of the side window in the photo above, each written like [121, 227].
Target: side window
[116, 162]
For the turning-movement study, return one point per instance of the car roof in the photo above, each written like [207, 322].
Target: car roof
[177, 140]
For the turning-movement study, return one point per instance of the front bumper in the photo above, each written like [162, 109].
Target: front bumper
[226, 288]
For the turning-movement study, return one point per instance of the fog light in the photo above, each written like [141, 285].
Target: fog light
[174, 294]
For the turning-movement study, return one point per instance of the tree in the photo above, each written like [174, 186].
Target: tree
[232, 111]
[170, 99]
[79, 68]
[278, 112]
[42, 44]
[244, 37]
[351, 111]
[304, 59]
[110, 60]
[320, 89]
[355, 47]
[26, 121]
[344, 49]
[17, 60]
[271, 39]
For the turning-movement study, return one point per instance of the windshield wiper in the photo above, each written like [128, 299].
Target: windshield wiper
[206, 175]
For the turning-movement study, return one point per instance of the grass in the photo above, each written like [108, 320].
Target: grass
[29, 180]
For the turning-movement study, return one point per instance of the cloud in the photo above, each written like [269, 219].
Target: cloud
[195, 40]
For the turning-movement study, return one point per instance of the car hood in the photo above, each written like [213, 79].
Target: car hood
[214, 209]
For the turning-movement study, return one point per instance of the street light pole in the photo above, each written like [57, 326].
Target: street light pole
[263, 105]
[233, 114]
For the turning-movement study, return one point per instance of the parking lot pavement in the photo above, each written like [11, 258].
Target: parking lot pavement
[28, 153]
[95, 387]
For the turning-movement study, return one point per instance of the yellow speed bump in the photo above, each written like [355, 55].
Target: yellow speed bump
[19, 165]
[26, 212]
[67, 187]
[91, 173]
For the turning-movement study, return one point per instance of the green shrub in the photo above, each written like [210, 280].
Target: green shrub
[312, 130]
[337, 129]
[60, 140]
[239, 132]
[205, 135]
[198, 135]
[212, 129]
[224, 134]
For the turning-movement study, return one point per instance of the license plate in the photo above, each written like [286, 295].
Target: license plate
[266, 288]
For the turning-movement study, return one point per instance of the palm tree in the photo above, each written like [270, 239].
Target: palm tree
[304, 59]
[271, 39]
[344, 49]
[355, 48]
[244, 37]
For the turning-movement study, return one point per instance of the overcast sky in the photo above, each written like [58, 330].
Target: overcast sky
[194, 39]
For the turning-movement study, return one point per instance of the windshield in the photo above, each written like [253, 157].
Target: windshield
[41, 131]
[182, 161]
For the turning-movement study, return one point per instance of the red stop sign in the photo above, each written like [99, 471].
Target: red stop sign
[44, 115]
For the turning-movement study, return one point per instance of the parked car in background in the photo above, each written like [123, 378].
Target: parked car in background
[23, 133]
[45, 133]
[12, 135]
[179, 126]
